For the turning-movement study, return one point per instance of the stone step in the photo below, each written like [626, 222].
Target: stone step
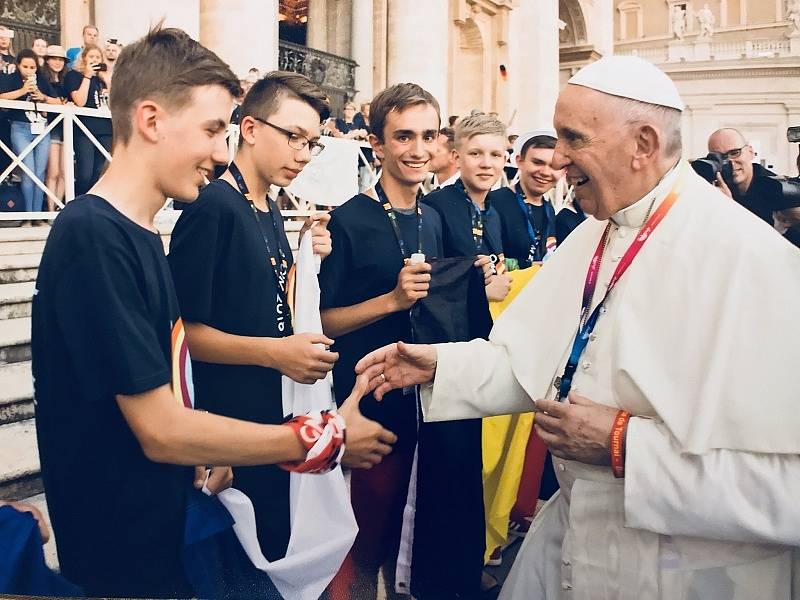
[19, 461]
[16, 392]
[15, 340]
[23, 234]
[15, 300]
[21, 247]
[18, 268]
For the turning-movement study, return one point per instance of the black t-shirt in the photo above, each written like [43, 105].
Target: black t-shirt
[754, 198]
[103, 317]
[363, 264]
[516, 236]
[224, 280]
[13, 82]
[456, 213]
[73, 81]
[566, 221]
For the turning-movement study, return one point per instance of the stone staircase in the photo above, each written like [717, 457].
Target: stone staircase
[20, 252]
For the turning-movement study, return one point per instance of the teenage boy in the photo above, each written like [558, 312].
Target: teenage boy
[527, 217]
[470, 225]
[368, 285]
[116, 440]
[230, 257]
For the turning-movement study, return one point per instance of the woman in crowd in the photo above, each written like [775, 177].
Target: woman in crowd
[348, 127]
[54, 71]
[26, 125]
[87, 86]
[39, 46]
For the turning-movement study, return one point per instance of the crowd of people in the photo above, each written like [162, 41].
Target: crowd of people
[49, 74]
[442, 301]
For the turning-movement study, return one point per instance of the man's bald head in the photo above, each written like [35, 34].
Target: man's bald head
[732, 144]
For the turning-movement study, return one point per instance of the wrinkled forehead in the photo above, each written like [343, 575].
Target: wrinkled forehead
[582, 109]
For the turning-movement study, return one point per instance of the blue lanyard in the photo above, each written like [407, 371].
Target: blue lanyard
[535, 253]
[392, 216]
[476, 217]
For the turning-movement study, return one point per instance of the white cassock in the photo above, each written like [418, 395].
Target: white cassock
[700, 341]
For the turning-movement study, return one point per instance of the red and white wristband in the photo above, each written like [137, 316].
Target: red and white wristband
[323, 436]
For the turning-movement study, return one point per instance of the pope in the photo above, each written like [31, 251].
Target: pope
[660, 349]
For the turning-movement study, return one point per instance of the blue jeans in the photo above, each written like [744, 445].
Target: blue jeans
[35, 160]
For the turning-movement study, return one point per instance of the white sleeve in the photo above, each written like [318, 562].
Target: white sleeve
[724, 495]
[473, 379]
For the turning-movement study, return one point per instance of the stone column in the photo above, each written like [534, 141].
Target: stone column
[417, 44]
[532, 64]
[74, 15]
[128, 21]
[379, 44]
[244, 33]
[317, 27]
[361, 47]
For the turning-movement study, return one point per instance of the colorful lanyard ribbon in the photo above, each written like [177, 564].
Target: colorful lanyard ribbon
[477, 219]
[279, 264]
[392, 216]
[586, 326]
[536, 252]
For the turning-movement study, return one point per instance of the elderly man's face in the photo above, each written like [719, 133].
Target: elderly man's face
[739, 152]
[595, 150]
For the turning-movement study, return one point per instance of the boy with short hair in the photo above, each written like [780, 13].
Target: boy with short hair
[368, 286]
[230, 258]
[527, 216]
[116, 440]
[470, 225]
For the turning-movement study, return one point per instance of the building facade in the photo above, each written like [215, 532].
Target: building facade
[736, 62]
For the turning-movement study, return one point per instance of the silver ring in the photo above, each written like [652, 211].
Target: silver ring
[383, 378]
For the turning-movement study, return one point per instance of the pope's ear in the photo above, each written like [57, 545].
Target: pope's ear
[648, 143]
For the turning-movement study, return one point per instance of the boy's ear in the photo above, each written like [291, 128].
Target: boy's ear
[146, 118]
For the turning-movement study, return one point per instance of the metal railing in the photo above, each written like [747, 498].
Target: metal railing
[69, 116]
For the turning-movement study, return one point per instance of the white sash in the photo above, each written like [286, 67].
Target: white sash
[323, 526]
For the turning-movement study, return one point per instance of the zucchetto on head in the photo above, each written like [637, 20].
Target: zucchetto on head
[630, 77]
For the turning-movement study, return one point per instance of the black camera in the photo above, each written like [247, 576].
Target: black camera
[711, 165]
[780, 193]
[100, 67]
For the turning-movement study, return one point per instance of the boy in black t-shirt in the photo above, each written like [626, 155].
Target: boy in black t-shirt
[368, 285]
[229, 257]
[470, 225]
[527, 216]
[109, 355]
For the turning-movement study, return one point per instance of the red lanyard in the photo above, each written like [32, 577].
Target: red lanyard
[586, 325]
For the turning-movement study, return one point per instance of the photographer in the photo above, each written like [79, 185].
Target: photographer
[731, 144]
[87, 86]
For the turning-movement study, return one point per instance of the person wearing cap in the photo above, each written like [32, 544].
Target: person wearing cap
[55, 70]
[675, 439]
[527, 216]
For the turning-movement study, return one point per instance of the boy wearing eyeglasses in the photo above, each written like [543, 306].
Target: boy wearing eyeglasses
[230, 259]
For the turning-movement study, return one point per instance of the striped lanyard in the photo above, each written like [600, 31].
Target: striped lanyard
[588, 321]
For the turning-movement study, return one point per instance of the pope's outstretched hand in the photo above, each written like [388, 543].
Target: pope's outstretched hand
[397, 366]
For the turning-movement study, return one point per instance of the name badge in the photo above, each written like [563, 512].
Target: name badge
[37, 128]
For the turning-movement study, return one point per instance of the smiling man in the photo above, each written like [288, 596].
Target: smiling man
[671, 428]
[368, 287]
[526, 214]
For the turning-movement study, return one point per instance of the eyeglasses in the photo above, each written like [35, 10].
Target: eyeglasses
[295, 140]
[735, 153]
